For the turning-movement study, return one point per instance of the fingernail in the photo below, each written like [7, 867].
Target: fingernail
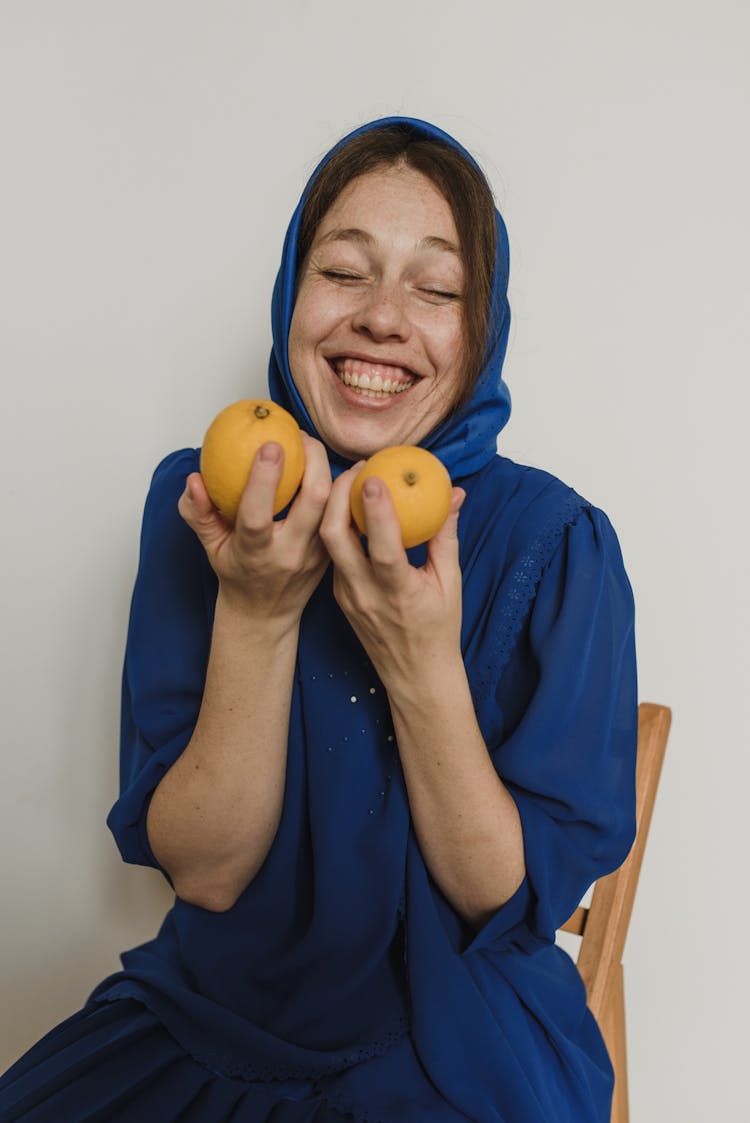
[371, 488]
[270, 452]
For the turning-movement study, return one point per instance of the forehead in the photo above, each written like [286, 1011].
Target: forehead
[391, 201]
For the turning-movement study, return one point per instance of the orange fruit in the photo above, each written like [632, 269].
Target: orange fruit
[231, 442]
[419, 486]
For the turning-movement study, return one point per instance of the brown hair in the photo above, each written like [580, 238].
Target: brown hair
[464, 188]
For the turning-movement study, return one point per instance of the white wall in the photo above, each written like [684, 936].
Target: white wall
[153, 151]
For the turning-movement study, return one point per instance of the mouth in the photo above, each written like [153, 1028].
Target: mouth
[372, 379]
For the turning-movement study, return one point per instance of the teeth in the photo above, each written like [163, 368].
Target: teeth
[373, 385]
[370, 386]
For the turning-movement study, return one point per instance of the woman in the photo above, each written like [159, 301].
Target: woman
[378, 781]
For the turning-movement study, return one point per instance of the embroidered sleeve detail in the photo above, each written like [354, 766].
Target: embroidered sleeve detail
[521, 586]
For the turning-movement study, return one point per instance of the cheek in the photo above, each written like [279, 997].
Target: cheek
[307, 331]
[301, 341]
[296, 350]
[447, 342]
[312, 318]
[452, 362]
[298, 328]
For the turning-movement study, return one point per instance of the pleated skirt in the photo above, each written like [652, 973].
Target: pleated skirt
[114, 1061]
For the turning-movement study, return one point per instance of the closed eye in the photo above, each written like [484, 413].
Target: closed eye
[337, 275]
[444, 295]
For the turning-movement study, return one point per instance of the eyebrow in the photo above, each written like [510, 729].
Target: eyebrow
[354, 234]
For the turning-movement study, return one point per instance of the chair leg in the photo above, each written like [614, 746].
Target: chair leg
[614, 1034]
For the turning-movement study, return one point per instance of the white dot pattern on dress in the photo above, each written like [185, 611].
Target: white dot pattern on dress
[353, 698]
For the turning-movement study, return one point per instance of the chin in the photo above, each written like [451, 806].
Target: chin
[359, 452]
[368, 446]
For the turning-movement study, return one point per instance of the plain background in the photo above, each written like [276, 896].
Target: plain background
[153, 151]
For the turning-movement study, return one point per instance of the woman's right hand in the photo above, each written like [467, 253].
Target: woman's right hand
[267, 568]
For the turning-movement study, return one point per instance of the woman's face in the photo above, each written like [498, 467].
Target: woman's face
[376, 344]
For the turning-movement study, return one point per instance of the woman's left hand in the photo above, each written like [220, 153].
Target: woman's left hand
[408, 619]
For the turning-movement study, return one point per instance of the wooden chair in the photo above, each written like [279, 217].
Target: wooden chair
[603, 926]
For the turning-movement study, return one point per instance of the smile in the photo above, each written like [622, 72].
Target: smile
[372, 380]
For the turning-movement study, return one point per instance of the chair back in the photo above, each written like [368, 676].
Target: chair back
[603, 926]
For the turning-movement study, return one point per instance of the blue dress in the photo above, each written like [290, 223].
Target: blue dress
[343, 984]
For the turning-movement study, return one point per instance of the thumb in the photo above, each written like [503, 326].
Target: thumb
[199, 513]
[442, 549]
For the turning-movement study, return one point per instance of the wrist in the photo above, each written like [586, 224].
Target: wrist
[237, 612]
[437, 682]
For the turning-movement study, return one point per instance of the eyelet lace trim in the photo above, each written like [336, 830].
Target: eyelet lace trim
[522, 585]
[350, 1110]
[250, 1072]
[225, 1064]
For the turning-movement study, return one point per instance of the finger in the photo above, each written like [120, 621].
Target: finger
[199, 513]
[307, 510]
[255, 512]
[340, 538]
[442, 549]
[384, 543]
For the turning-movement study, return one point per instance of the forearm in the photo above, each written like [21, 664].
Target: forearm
[465, 819]
[215, 814]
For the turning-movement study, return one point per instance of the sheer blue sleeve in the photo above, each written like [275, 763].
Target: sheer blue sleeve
[165, 657]
[569, 762]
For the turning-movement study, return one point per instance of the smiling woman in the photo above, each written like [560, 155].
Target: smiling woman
[378, 781]
[377, 342]
[461, 189]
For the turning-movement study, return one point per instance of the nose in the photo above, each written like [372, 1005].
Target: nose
[381, 313]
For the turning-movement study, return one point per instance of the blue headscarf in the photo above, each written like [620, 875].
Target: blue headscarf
[464, 441]
[343, 949]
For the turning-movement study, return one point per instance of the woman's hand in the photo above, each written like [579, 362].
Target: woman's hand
[265, 567]
[407, 619]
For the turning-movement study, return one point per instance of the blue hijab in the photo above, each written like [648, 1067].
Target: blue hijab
[464, 442]
[342, 963]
